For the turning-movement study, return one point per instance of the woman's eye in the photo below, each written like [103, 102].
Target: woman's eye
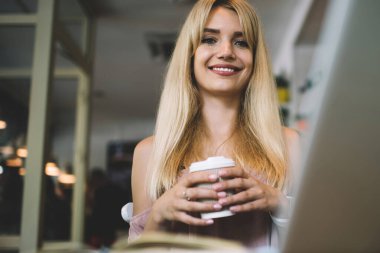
[242, 43]
[209, 41]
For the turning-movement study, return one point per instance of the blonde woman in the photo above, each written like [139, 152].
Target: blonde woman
[219, 99]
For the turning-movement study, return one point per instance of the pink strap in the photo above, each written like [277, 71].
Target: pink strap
[137, 224]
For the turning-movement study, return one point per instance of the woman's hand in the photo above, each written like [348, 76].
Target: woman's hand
[176, 203]
[250, 193]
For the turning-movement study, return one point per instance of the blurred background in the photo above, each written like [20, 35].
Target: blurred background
[79, 87]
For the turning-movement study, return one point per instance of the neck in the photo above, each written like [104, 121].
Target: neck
[220, 118]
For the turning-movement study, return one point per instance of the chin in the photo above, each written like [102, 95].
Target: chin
[223, 91]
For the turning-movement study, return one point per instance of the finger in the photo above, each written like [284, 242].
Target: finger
[238, 182]
[242, 197]
[196, 193]
[190, 220]
[250, 206]
[232, 172]
[196, 206]
[237, 190]
[198, 177]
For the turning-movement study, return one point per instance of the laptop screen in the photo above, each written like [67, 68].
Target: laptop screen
[337, 205]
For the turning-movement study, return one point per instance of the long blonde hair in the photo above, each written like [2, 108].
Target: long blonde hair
[179, 110]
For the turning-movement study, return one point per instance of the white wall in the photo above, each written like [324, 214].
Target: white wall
[105, 130]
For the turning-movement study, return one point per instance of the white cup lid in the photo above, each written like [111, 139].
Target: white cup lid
[212, 163]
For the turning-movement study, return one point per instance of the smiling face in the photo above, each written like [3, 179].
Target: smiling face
[223, 60]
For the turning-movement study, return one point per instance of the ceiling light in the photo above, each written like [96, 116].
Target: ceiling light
[52, 170]
[3, 124]
[6, 150]
[66, 179]
[14, 162]
[22, 152]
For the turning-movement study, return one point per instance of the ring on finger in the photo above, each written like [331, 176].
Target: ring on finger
[185, 195]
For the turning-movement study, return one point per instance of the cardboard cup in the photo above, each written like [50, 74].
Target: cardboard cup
[213, 164]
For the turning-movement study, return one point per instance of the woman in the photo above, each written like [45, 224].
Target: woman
[219, 99]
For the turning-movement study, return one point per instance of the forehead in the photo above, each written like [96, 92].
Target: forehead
[223, 18]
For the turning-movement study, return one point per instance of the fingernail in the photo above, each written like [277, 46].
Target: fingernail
[212, 177]
[222, 201]
[222, 194]
[210, 221]
[233, 208]
[216, 186]
[217, 206]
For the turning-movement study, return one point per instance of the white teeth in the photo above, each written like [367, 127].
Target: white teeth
[224, 69]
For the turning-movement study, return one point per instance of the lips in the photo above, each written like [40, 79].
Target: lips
[224, 70]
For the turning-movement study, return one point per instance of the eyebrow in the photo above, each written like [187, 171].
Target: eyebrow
[217, 31]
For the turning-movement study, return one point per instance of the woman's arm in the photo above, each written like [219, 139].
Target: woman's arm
[292, 139]
[141, 156]
[141, 201]
[176, 203]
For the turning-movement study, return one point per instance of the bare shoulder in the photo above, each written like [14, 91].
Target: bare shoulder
[293, 145]
[144, 147]
[291, 135]
[292, 138]
[141, 157]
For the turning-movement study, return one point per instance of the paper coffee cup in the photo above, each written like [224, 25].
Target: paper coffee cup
[213, 164]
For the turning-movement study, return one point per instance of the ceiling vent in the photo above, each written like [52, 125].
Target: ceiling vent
[161, 45]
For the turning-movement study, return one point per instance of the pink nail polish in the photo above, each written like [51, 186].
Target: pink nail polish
[216, 186]
[212, 177]
[222, 201]
[217, 206]
[222, 194]
[210, 221]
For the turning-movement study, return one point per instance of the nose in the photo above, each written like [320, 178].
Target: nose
[226, 51]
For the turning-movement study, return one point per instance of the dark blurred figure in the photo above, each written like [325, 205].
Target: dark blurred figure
[57, 212]
[104, 202]
[11, 185]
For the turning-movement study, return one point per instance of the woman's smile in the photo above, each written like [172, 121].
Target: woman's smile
[225, 69]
